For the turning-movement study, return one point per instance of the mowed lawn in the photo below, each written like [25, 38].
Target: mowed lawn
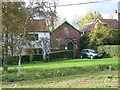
[68, 63]
[74, 73]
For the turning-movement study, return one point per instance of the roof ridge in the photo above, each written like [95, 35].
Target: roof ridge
[66, 23]
[108, 19]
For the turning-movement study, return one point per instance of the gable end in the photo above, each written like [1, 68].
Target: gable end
[67, 24]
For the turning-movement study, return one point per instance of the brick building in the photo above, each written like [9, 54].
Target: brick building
[66, 37]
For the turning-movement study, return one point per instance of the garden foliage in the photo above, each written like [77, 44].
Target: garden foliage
[109, 50]
[53, 56]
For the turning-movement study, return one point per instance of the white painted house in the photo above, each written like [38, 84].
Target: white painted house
[39, 35]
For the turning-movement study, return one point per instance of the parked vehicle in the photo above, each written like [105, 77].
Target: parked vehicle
[90, 53]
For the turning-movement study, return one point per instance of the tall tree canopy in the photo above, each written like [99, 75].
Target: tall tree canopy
[13, 19]
[102, 35]
[15, 23]
[46, 10]
[89, 17]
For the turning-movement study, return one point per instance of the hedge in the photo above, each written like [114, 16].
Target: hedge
[109, 50]
[11, 60]
[53, 56]
[25, 59]
[37, 57]
[60, 54]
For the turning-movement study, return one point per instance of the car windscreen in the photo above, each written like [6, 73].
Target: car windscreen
[93, 51]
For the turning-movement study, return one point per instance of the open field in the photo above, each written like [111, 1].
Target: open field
[76, 73]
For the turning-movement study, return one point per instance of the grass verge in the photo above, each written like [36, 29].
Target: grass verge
[43, 73]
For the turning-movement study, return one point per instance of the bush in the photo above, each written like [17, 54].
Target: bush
[25, 58]
[37, 57]
[60, 55]
[11, 60]
[109, 50]
[53, 56]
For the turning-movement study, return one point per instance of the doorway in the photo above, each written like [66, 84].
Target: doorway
[70, 46]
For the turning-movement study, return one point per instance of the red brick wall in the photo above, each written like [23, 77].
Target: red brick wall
[60, 34]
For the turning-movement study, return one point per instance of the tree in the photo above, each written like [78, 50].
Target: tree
[84, 40]
[45, 46]
[14, 28]
[89, 17]
[13, 17]
[16, 18]
[22, 39]
[116, 38]
[102, 35]
[46, 10]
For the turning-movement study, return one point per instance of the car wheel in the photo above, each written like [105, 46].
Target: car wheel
[91, 57]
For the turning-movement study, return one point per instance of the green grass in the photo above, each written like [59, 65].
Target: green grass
[96, 80]
[43, 73]
[68, 63]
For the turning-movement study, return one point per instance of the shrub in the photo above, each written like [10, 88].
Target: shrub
[25, 58]
[109, 50]
[12, 60]
[37, 57]
[53, 56]
[60, 55]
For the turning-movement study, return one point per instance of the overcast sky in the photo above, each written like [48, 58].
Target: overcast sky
[71, 13]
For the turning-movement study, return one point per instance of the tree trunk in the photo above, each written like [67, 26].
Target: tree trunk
[12, 44]
[3, 55]
[5, 52]
[44, 55]
[5, 67]
[19, 64]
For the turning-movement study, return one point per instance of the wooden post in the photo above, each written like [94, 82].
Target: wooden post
[109, 73]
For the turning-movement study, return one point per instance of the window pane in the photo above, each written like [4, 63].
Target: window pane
[33, 37]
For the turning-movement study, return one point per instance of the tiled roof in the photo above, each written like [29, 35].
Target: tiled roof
[113, 23]
[65, 22]
[38, 26]
[87, 27]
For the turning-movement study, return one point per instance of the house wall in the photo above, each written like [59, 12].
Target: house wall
[41, 34]
[35, 44]
[60, 34]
